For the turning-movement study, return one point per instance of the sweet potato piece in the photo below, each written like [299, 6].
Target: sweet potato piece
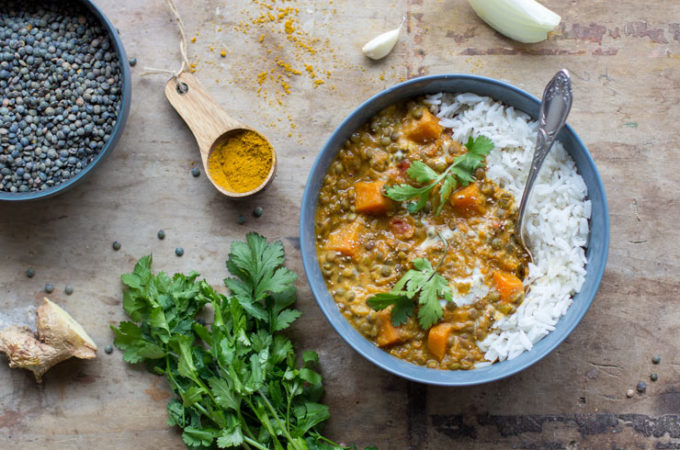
[369, 197]
[425, 129]
[345, 239]
[438, 338]
[388, 334]
[507, 285]
[468, 201]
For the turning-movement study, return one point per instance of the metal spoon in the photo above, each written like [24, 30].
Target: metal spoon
[555, 107]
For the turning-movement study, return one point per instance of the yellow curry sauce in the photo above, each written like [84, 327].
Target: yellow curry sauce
[367, 242]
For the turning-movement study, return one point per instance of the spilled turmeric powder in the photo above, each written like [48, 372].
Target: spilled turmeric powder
[241, 162]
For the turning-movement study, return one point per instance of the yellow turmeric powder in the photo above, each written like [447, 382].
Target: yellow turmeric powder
[240, 163]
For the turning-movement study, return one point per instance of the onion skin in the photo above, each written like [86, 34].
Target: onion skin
[525, 21]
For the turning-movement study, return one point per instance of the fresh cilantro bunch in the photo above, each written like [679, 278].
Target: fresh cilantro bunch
[236, 381]
[460, 172]
[421, 286]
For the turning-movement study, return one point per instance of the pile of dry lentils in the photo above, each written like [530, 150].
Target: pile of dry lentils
[60, 85]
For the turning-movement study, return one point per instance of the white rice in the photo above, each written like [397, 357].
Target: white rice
[557, 215]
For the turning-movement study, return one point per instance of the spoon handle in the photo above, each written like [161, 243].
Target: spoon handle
[555, 107]
[206, 119]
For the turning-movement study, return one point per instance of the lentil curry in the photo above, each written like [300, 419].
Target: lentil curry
[366, 242]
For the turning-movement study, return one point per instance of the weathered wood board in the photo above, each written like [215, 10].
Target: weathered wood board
[625, 61]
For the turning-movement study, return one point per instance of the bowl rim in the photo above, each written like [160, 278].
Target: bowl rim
[408, 370]
[123, 111]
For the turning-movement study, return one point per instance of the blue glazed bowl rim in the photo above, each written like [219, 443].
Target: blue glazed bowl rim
[402, 368]
[123, 111]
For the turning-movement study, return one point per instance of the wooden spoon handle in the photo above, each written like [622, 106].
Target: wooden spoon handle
[206, 119]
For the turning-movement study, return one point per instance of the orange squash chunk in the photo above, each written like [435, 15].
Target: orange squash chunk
[438, 338]
[388, 334]
[345, 239]
[369, 197]
[468, 201]
[425, 129]
[507, 285]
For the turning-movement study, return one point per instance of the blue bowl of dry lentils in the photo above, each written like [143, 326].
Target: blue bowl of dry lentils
[407, 232]
[66, 90]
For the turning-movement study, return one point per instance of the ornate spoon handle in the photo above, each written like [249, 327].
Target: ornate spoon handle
[555, 107]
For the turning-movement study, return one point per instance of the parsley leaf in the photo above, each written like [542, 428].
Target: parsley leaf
[421, 285]
[421, 172]
[460, 172]
[236, 380]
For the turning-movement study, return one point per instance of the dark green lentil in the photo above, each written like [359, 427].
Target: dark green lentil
[195, 172]
[116, 245]
[241, 219]
[161, 234]
[61, 88]
[108, 349]
[257, 212]
[654, 376]
[179, 251]
[132, 62]
[68, 290]
[656, 359]
[30, 273]
[49, 288]
[641, 387]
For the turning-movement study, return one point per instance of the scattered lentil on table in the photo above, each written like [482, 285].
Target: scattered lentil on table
[116, 245]
[68, 290]
[630, 393]
[656, 359]
[108, 349]
[49, 288]
[179, 251]
[241, 219]
[195, 172]
[258, 211]
[30, 273]
[654, 376]
[132, 62]
[161, 234]
[61, 84]
[641, 387]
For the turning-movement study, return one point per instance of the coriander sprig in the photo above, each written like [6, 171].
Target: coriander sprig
[421, 285]
[460, 172]
[237, 382]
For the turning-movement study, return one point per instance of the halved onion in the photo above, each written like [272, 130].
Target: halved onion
[525, 21]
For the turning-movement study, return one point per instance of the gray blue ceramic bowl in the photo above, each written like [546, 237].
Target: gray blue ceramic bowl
[123, 111]
[596, 251]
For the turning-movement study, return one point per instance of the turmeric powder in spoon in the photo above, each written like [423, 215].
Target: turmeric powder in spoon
[241, 162]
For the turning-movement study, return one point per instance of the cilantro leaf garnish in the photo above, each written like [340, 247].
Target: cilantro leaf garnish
[236, 380]
[459, 173]
[421, 286]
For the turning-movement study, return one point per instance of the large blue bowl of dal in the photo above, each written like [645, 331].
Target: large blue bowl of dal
[596, 249]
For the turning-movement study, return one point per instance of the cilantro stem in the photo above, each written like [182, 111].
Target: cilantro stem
[266, 423]
[254, 443]
[276, 417]
[441, 260]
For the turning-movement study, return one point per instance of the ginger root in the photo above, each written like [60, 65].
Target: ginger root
[59, 337]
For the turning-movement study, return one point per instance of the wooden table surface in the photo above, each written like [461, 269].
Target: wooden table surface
[295, 78]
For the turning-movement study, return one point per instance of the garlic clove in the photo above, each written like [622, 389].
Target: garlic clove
[381, 45]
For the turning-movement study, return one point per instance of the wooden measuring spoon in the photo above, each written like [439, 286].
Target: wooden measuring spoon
[209, 123]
